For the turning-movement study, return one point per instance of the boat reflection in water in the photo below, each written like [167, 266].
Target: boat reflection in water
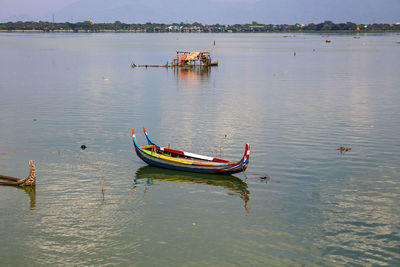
[151, 174]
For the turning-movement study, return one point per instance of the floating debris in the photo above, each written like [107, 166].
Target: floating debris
[34, 119]
[83, 147]
[265, 178]
[343, 149]
[13, 152]
[327, 41]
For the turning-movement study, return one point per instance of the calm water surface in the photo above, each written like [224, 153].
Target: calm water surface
[319, 207]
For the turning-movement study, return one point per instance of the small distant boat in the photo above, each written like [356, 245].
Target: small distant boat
[215, 63]
[158, 156]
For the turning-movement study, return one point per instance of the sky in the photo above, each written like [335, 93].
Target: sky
[204, 11]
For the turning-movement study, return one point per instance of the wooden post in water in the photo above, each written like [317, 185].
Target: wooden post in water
[29, 181]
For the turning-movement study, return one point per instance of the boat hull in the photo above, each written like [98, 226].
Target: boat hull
[192, 168]
[208, 167]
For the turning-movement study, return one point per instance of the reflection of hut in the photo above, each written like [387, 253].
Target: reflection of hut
[192, 73]
[193, 59]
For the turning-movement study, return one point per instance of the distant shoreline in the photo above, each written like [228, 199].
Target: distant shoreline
[142, 31]
[325, 27]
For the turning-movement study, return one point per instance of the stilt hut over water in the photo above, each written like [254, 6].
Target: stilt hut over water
[184, 58]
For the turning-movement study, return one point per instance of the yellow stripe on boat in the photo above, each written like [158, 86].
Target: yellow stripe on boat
[178, 160]
[145, 147]
[175, 160]
[167, 158]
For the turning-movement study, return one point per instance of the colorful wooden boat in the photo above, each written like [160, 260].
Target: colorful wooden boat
[158, 156]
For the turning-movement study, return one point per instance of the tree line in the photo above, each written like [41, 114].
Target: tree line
[89, 26]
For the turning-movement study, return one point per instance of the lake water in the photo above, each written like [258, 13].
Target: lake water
[318, 206]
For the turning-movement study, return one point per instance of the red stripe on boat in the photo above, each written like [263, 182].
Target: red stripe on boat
[220, 160]
[174, 151]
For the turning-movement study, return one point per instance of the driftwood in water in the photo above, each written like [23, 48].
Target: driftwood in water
[215, 63]
[151, 66]
[29, 181]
